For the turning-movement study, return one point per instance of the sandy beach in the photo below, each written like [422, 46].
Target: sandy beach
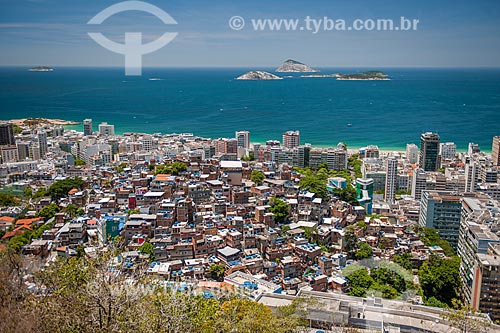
[29, 121]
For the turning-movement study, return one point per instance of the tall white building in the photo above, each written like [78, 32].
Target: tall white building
[87, 127]
[106, 129]
[412, 153]
[495, 150]
[473, 148]
[42, 143]
[147, 143]
[291, 139]
[8, 154]
[243, 138]
[391, 171]
[448, 150]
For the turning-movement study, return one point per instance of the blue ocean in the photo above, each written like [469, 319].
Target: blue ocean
[462, 105]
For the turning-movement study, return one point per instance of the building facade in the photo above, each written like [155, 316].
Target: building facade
[291, 139]
[429, 151]
[441, 210]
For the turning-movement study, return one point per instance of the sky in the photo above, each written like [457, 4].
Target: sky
[451, 33]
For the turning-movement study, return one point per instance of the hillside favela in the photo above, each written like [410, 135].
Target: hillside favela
[321, 168]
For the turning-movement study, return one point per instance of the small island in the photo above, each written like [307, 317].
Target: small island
[258, 75]
[41, 69]
[293, 66]
[321, 75]
[364, 76]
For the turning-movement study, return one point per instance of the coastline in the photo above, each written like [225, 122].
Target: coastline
[26, 121]
[72, 125]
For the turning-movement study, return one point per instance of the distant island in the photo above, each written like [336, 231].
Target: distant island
[321, 75]
[369, 75]
[258, 75]
[293, 66]
[41, 69]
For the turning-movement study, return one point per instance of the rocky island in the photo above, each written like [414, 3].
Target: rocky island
[293, 66]
[321, 75]
[369, 75]
[41, 69]
[258, 75]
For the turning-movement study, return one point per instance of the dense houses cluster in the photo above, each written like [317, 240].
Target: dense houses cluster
[211, 211]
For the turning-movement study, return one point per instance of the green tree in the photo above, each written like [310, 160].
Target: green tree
[250, 157]
[79, 162]
[360, 278]
[284, 229]
[314, 184]
[357, 291]
[175, 168]
[354, 164]
[61, 188]
[440, 278]
[41, 192]
[309, 233]
[87, 295]
[465, 318]
[350, 241]
[28, 192]
[257, 177]
[133, 211]
[48, 212]
[147, 248]
[433, 301]
[385, 276]
[364, 251]
[323, 165]
[280, 209]
[430, 237]
[17, 129]
[8, 199]
[217, 271]
[403, 260]
[347, 194]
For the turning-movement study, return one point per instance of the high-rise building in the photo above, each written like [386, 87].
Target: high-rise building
[303, 156]
[8, 154]
[369, 152]
[226, 146]
[391, 172]
[495, 150]
[412, 153]
[34, 152]
[448, 150]
[471, 174]
[473, 148]
[243, 138]
[441, 210]
[336, 159]
[486, 282]
[478, 214]
[291, 139]
[106, 129]
[23, 150]
[87, 127]
[364, 190]
[42, 143]
[429, 151]
[7, 134]
[147, 143]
